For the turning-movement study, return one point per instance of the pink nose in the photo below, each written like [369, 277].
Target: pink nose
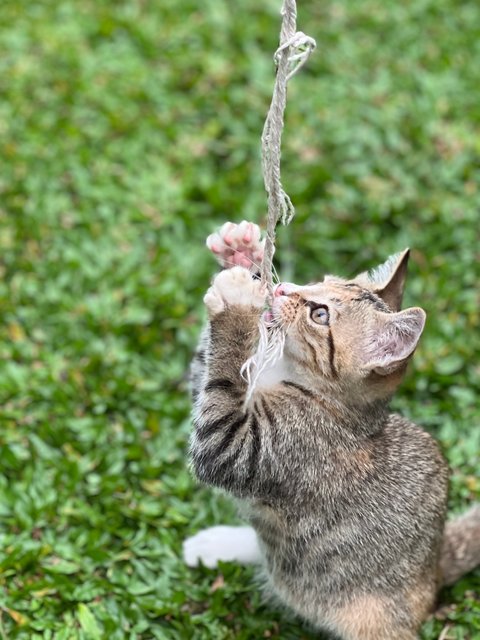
[279, 291]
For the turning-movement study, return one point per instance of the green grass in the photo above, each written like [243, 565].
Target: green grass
[128, 131]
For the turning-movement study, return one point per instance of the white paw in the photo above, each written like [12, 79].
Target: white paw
[234, 286]
[226, 544]
[238, 245]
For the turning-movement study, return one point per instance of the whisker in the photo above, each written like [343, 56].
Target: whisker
[248, 257]
[234, 264]
[275, 274]
[252, 262]
[276, 278]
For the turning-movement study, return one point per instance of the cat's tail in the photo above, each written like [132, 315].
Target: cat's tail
[461, 546]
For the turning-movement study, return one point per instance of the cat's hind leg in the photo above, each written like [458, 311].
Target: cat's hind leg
[238, 245]
[222, 543]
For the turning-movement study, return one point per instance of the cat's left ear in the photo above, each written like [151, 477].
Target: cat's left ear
[392, 339]
[388, 279]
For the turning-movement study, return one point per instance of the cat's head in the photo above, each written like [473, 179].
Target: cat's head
[350, 335]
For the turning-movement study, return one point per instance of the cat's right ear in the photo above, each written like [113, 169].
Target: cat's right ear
[391, 291]
[392, 339]
[388, 279]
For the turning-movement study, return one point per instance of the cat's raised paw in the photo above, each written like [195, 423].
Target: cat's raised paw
[234, 286]
[238, 245]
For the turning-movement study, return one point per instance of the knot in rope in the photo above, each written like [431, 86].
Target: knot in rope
[299, 47]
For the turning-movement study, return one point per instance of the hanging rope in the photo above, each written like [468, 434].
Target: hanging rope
[294, 50]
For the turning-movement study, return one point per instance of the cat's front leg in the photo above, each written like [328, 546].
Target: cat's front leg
[225, 447]
[232, 245]
[234, 305]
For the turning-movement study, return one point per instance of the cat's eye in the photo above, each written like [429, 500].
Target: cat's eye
[320, 315]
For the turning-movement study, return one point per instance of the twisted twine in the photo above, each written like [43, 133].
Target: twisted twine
[293, 52]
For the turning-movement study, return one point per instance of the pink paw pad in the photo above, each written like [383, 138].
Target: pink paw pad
[238, 245]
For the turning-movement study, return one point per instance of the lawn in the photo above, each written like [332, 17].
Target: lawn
[129, 129]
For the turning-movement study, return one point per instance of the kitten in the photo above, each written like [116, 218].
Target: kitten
[347, 502]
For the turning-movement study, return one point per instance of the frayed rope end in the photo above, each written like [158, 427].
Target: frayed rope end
[270, 347]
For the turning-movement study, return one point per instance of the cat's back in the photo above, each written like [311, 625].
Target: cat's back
[395, 481]
[413, 453]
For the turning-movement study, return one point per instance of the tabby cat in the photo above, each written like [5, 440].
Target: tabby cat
[346, 501]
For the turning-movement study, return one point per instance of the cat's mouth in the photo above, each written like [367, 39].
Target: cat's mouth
[268, 318]
[272, 319]
[273, 316]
